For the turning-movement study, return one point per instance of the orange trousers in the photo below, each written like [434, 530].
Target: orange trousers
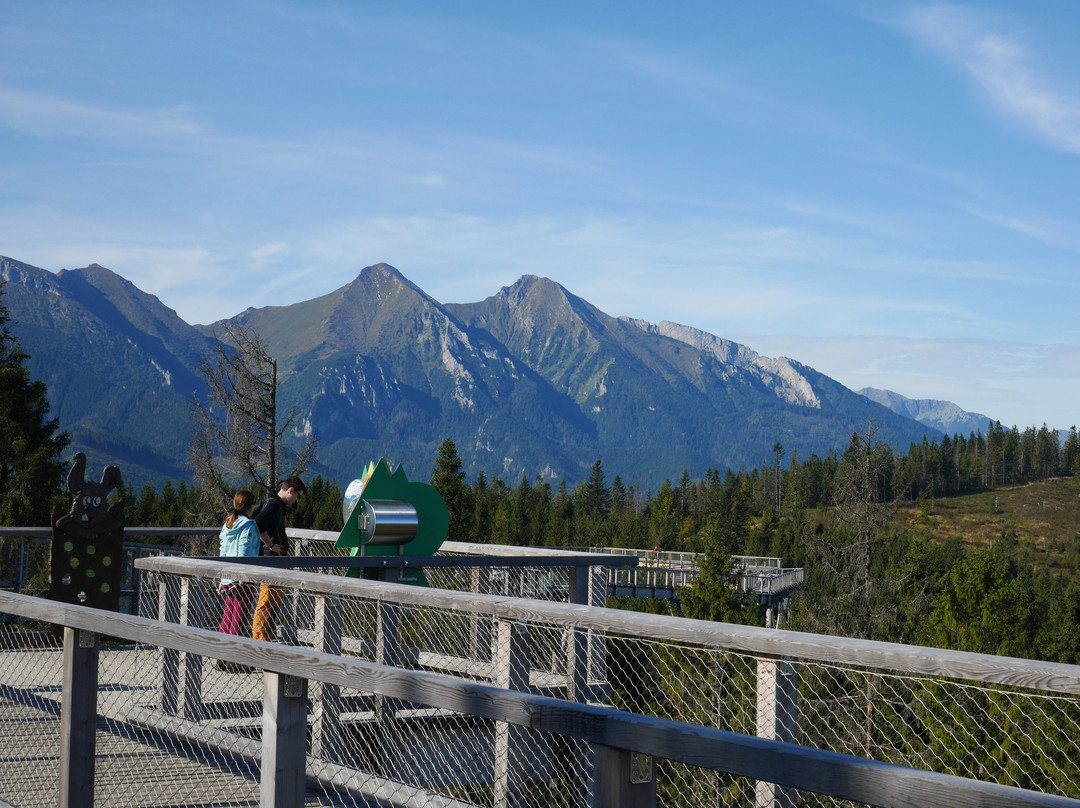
[270, 597]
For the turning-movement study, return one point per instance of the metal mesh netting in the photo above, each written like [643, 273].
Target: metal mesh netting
[1011, 736]
[31, 672]
[369, 747]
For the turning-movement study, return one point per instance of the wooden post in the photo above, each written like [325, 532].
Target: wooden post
[597, 596]
[512, 673]
[181, 673]
[480, 625]
[778, 720]
[326, 698]
[169, 612]
[580, 758]
[192, 611]
[78, 722]
[623, 779]
[577, 640]
[284, 742]
[296, 602]
[136, 583]
[387, 652]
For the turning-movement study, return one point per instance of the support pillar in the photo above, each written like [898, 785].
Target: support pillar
[623, 779]
[326, 698]
[512, 673]
[78, 720]
[284, 742]
[778, 720]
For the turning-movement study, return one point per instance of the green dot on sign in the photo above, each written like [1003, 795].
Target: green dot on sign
[90, 573]
[74, 562]
[90, 550]
[106, 561]
[105, 587]
[68, 547]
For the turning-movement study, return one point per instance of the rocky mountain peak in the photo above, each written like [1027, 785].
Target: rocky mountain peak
[781, 375]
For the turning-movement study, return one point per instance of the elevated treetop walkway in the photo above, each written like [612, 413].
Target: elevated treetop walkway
[662, 573]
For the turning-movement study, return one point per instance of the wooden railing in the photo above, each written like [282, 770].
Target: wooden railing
[776, 687]
[616, 735]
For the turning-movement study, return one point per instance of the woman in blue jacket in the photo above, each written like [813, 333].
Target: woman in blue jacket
[239, 537]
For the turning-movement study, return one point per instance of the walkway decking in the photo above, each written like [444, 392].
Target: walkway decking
[130, 758]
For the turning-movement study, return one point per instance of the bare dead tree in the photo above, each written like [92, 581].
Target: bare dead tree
[855, 602]
[238, 440]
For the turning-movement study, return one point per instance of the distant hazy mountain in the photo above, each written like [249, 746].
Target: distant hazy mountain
[531, 380]
[943, 416]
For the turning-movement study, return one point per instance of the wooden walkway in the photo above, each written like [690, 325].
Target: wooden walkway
[135, 766]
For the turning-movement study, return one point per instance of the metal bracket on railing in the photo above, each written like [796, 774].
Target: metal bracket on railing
[294, 687]
[87, 639]
[641, 769]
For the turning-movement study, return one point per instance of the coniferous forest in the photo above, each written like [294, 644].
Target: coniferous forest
[866, 574]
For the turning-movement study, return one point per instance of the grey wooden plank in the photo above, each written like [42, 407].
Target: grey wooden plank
[429, 562]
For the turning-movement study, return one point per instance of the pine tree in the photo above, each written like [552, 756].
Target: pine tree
[597, 496]
[449, 480]
[714, 595]
[855, 600]
[31, 470]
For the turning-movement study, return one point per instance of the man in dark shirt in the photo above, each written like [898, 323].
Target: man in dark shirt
[271, 523]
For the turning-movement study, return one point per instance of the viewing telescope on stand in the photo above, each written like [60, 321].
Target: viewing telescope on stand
[386, 515]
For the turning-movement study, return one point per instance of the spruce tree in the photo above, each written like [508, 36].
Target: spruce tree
[449, 480]
[597, 498]
[31, 470]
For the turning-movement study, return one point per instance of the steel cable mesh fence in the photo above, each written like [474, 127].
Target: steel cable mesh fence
[993, 733]
[136, 764]
[416, 749]
[1014, 737]
[31, 674]
[376, 747]
[1007, 735]
[176, 712]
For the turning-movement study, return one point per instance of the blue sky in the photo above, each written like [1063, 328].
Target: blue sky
[885, 191]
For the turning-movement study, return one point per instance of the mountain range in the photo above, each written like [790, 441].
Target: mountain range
[532, 380]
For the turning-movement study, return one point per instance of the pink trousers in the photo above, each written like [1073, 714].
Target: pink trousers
[238, 598]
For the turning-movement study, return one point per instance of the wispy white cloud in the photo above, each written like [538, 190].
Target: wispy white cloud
[1026, 227]
[44, 115]
[678, 72]
[1005, 69]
